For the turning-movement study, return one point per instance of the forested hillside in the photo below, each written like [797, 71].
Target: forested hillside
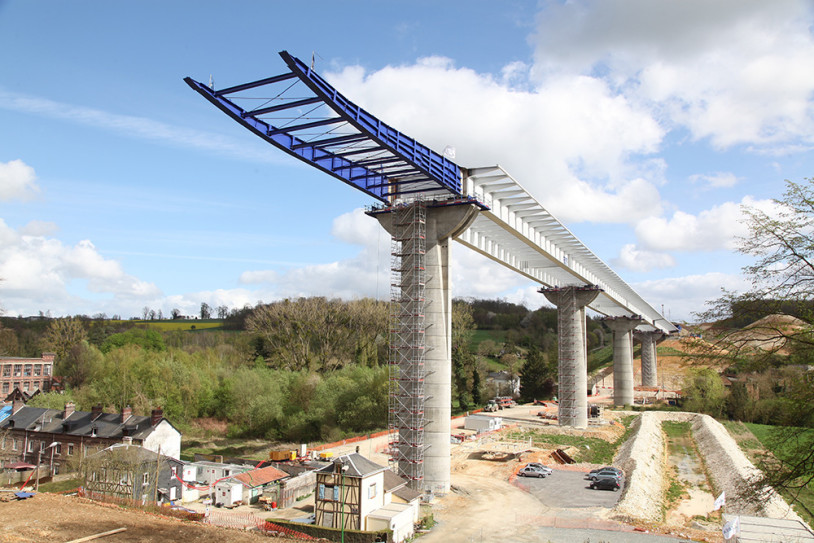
[305, 369]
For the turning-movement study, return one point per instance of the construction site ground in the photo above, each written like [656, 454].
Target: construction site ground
[487, 502]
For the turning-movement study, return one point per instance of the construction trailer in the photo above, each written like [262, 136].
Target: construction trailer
[228, 493]
[482, 423]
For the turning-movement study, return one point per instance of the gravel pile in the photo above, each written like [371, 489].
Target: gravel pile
[643, 459]
[729, 470]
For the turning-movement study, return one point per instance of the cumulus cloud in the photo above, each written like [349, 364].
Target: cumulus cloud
[682, 297]
[568, 142]
[734, 71]
[40, 272]
[712, 229]
[641, 260]
[17, 181]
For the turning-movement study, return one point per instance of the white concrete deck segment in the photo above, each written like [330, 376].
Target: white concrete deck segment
[519, 233]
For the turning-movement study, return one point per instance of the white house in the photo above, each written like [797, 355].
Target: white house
[354, 493]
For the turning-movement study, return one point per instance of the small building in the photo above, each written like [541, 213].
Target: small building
[27, 374]
[482, 423]
[351, 494]
[251, 485]
[131, 472]
[504, 383]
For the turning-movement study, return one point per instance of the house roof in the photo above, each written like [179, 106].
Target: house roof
[143, 455]
[398, 486]
[260, 476]
[358, 465]
[78, 423]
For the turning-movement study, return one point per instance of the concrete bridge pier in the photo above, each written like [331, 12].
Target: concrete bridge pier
[649, 340]
[442, 224]
[572, 350]
[622, 328]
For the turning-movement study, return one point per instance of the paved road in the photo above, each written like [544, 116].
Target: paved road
[568, 489]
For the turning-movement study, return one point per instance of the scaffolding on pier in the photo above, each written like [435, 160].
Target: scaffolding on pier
[407, 342]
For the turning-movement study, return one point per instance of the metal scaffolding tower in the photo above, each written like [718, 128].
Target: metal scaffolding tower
[407, 342]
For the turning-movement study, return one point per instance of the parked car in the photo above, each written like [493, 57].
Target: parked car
[531, 472]
[605, 472]
[606, 483]
[610, 468]
[542, 467]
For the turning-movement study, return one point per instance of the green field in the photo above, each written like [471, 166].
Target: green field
[175, 325]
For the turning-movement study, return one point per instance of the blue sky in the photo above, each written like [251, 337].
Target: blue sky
[643, 126]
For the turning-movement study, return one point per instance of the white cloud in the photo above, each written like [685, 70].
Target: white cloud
[733, 71]
[716, 180]
[138, 127]
[42, 273]
[682, 297]
[641, 260]
[569, 141]
[17, 181]
[712, 229]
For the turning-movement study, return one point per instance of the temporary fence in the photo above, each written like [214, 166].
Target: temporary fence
[247, 521]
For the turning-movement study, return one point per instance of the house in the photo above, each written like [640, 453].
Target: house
[38, 434]
[351, 495]
[503, 383]
[133, 473]
[27, 374]
[247, 487]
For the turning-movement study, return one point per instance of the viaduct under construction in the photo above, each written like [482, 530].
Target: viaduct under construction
[424, 201]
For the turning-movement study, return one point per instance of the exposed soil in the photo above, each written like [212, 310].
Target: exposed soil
[56, 518]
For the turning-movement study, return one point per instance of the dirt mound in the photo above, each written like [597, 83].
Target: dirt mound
[769, 333]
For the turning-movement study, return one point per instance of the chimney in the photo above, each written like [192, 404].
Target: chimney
[17, 403]
[127, 412]
[96, 412]
[156, 415]
[69, 409]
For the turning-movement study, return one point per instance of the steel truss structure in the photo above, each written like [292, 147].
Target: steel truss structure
[407, 342]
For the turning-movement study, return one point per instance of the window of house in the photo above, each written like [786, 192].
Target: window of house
[35, 385]
[27, 370]
[7, 370]
[46, 369]
[58, 448]
[15, 385]
[37, 370]
[5, 387]
[26, 386]
[70, 449]
[3, 442]
[145, 479]
[18, 370]
[31, 446]
[336, 493]
[321, 491]
[15, 444]
[371, 491]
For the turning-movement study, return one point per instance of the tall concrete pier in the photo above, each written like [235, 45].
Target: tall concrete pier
[622, 328]
[441, 225]
[649, 341]
[573, 354]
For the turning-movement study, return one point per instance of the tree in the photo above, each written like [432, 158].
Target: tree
[206, 311]
[477, 394]
[782, 276]
[537, 376]
[63, 335]
[175, 313]
[223, 311]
